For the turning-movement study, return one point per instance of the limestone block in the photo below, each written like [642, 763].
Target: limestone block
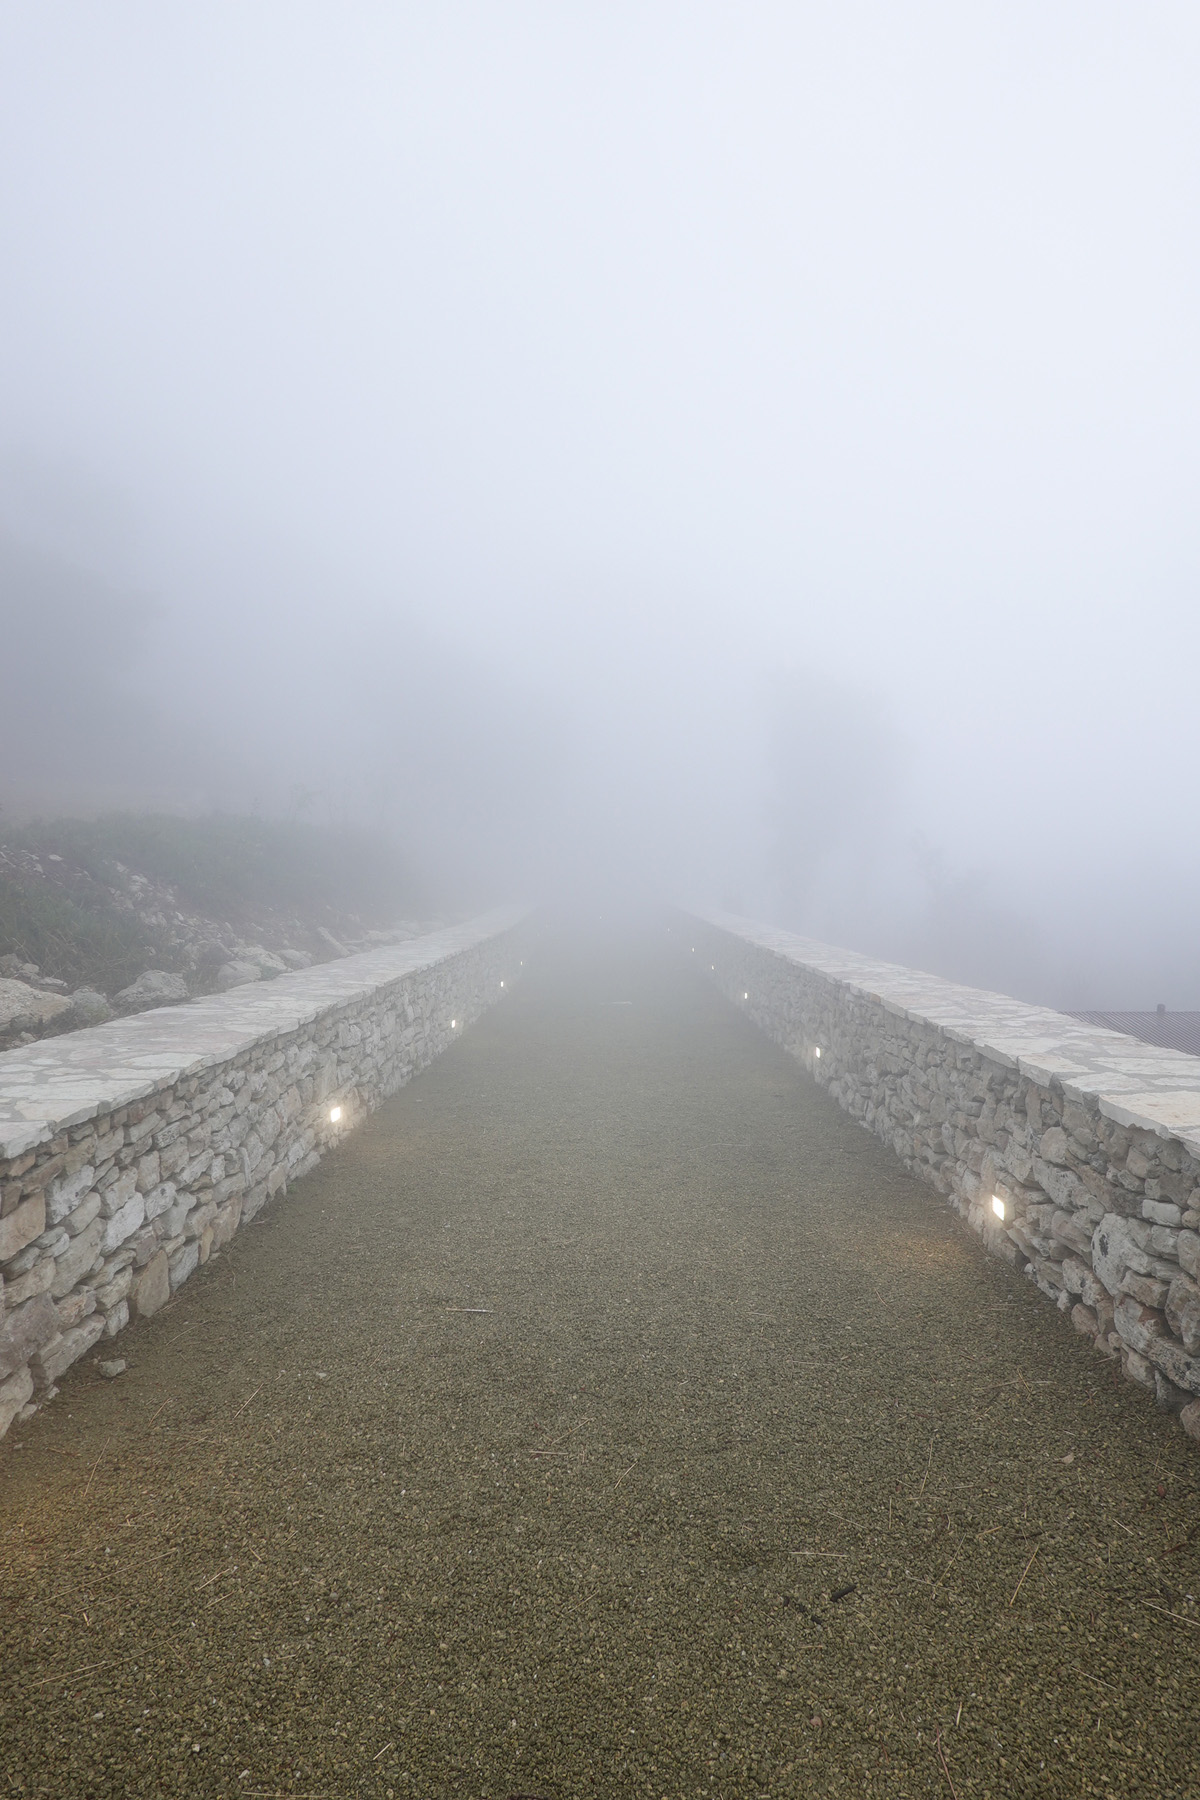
[1063, 1185]
[142, 1245]
[114, 1291]
[1072, 1229]
[37, 1280]
[16, 1392]
[1189, 1418]
[22, 1226]
[83, 1215]
[64, 1196]
[123, 1224]
[1138, 1325]
[1054, 1145]
[1114, 1249]
[147, 1172]
[76, 1307]
[1076, 1274]
[1146, 1288]
[1188, 1251]
[1161, 1212]
[153, 987]
[79, 1260]
[226, 1222]
[1085, 1320]
[50, 1364]
[117, 1319]
[1135, 1366]
[1183, 1312]
[151, 1287]
[236, 974]
[119, 1193]
[24, 1008]
[199, 1220]
[1175, 1363]
[159, 1199]
[183, 1264]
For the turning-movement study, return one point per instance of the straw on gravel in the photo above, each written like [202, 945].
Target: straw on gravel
[807, 1441]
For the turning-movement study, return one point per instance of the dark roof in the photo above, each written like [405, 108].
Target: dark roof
[1170, 1030]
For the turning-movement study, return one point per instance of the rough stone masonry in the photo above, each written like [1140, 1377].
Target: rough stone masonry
[1073, 1151]
[130, 1153]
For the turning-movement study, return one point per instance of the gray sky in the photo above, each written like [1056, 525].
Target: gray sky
[752, 446]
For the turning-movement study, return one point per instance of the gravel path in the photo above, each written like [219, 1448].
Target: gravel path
[610, 1416]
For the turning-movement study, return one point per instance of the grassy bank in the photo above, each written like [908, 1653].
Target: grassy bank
[95, 901]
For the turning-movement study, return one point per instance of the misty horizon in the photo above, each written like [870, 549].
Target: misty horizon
[743, 457]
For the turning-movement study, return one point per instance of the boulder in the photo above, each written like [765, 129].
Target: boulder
[265, 961]
[88, 1007]
[153, 987]
[25, 1008]
[237, 974]
[25, 1331]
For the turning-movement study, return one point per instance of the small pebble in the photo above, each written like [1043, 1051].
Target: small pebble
[111, 1369]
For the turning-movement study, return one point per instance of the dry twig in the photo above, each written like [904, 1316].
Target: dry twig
[1024, 1573]
[87, 1490]
[945, 1765]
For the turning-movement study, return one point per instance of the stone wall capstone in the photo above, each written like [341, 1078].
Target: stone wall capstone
[131, 1152]
[1073, 1151]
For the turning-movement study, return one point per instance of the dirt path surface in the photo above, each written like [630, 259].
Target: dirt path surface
[610, 1416]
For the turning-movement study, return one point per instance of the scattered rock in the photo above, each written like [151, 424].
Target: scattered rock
[16, 969]
[331, 943]
[112, 1367]
[153, 987]
[88, 1007]
[25, 1008]
[236, 974]
[265, 961]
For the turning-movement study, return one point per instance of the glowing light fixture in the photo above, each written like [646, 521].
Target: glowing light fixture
[997, 1206]
[501, 984]
[453, 1024]
[335, 1113]
[817, 1052]
[745, 996]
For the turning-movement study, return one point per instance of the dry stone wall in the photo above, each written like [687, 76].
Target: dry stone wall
[130, 1153]
[1073, 1151]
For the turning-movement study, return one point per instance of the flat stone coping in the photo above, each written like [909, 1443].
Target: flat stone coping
[1133, 1083]
[64, 1081]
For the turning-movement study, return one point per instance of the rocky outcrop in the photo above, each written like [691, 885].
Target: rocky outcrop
[153, 987]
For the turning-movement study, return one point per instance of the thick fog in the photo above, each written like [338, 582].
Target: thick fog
[740, 453]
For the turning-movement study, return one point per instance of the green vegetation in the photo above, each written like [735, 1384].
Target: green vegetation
[88, 900]
[98, 946]
[229, 866]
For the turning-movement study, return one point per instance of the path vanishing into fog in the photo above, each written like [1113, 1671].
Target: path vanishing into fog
[608, 1416]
